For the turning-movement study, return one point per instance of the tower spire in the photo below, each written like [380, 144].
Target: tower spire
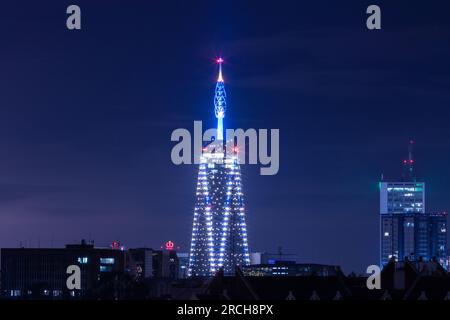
[220, 78]
[220, 102]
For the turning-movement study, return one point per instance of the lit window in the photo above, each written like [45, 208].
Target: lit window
[82, 260]
[105, 268]
[386, 234]
[15, 293]
[107, 260]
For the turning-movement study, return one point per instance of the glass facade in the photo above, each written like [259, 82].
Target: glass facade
[419, 236]
[407, 230]
[402, 197]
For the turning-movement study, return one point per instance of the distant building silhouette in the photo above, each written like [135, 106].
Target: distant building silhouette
[41, 273]
[289, 269]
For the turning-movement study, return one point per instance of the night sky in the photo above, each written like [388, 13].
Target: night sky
[86, 118]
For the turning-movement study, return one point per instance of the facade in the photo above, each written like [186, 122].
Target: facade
[41, 273]
[219, 232]
[447, 261]
[402, 197]
[431, 237]
[139, 263]
[183, 260]
[106, 273]
[407, 230]
[414, 236]
[271, 258]
[165, 264]
[289, 269]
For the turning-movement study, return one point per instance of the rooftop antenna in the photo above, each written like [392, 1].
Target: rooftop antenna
[409, 163]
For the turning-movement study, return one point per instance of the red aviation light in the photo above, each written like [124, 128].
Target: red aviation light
[169, 245]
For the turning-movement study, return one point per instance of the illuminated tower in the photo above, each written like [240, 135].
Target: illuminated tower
[219, 232]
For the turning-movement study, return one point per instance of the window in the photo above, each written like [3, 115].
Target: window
[15, 293]
[105, 268]
[107, 260]
[82, 260]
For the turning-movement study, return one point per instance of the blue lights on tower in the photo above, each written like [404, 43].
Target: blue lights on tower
[220, 102]
[219, 231]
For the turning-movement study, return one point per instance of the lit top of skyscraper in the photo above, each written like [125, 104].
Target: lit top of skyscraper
[405, 196]
[219, 231]
[220, 102]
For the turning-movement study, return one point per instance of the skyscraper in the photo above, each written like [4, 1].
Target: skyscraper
[219, 232]
[406, 229]
[406, 195]
[414, 236]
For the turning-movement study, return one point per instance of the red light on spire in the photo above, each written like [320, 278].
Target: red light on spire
[219, 62]
[169, 245]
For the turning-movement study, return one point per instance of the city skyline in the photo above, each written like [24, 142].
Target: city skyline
[85, 120]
